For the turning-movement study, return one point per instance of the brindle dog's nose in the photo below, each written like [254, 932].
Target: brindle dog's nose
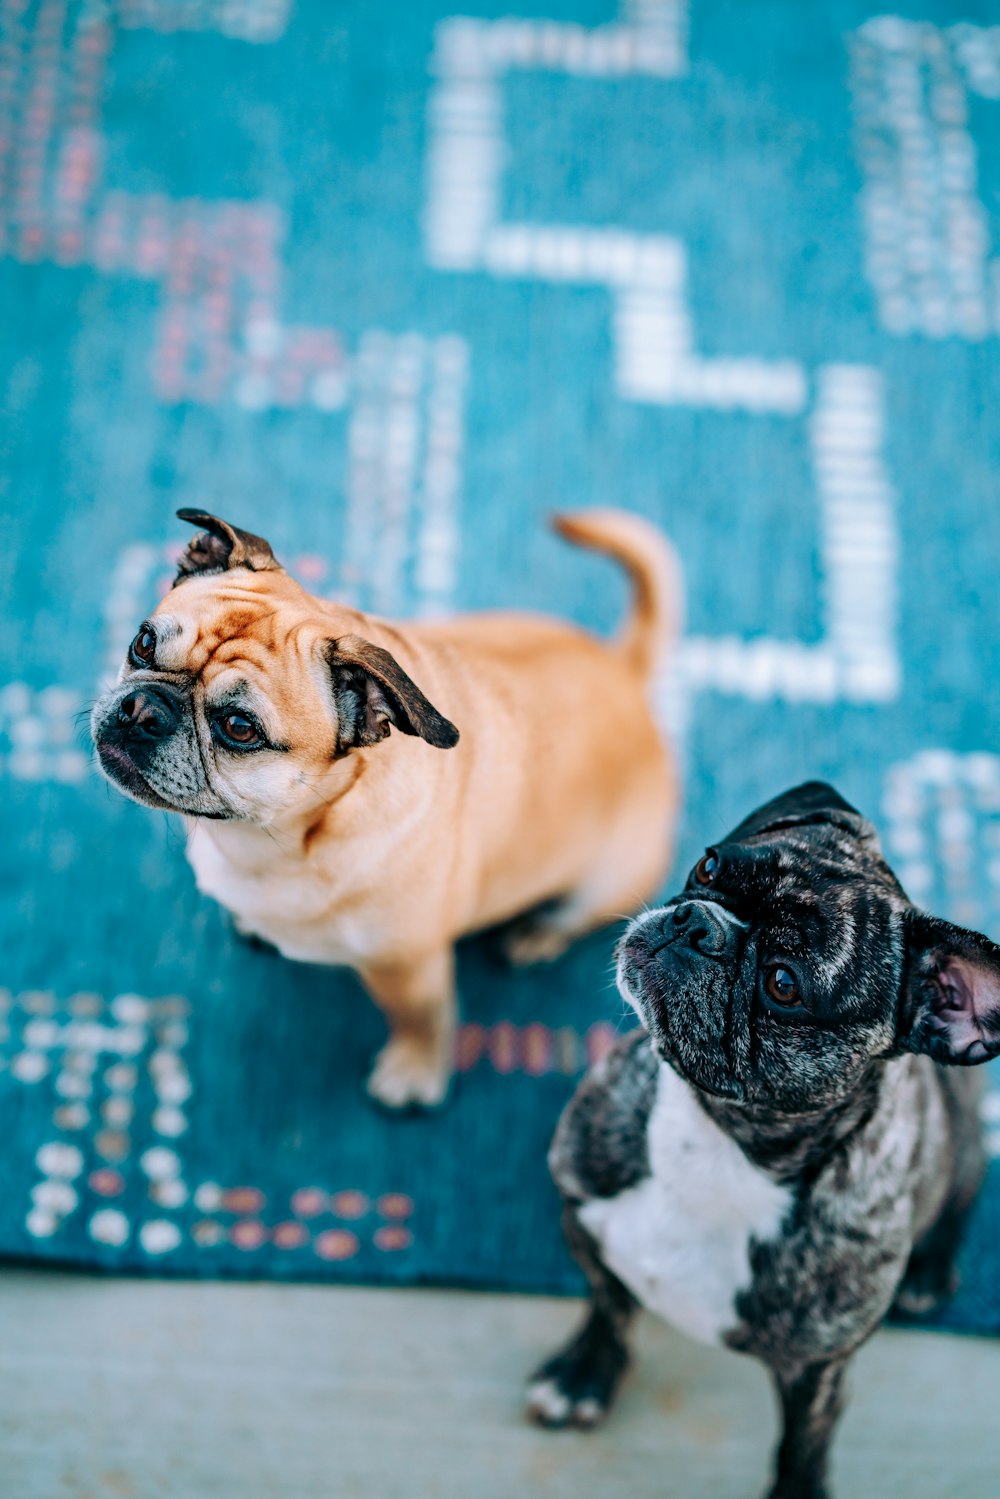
[149, 714]
[700, 924]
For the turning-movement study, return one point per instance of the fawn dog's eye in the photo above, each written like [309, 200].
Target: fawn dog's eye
[239, 729]
[142, 651]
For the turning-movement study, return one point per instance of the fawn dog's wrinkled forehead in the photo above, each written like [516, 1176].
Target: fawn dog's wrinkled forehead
[241, 690]
[265, 621]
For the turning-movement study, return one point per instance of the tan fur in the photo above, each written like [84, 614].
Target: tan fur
[559, 786]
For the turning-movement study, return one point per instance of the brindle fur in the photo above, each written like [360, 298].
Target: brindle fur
[847, 1107]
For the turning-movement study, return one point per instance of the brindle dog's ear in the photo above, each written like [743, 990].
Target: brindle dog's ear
[373, 694]
[951, 992]
[221, 546]
[812, 802]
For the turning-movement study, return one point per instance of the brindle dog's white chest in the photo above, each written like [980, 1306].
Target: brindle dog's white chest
[680, 1240]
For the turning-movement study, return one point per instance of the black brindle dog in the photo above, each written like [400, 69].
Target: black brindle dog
[778, 1158]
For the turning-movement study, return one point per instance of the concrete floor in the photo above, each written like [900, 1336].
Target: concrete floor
[167, 1390]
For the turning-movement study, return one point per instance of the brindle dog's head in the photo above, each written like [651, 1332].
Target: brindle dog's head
[240, 690]
[793, 958]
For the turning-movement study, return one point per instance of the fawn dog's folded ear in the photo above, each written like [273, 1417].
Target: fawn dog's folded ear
[373, 694]
[951, 992]
[220, 546]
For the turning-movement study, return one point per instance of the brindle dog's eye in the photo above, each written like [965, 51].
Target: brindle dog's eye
[143, 648]
[781, 985]
[707, 867]
[239, 728]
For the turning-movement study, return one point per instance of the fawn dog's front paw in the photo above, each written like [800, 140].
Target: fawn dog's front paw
[409, 1072]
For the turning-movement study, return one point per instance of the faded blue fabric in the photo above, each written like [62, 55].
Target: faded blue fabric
[387, 286]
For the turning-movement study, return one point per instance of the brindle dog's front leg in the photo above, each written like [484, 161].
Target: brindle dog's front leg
[577, 1385]
[418, 997]
[811, 1402]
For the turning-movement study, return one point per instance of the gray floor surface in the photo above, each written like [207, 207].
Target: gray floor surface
[114, 1389]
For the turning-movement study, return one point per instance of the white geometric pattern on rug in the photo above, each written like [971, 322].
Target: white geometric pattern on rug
[656, 360]
[929, 252]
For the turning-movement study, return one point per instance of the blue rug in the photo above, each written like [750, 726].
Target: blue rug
[386, 284]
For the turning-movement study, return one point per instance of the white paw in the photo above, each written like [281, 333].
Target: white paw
[587, 1413]
[550, 1405]
[913, 1303]
[547, 1403]
[535, 944]
[405, 1073]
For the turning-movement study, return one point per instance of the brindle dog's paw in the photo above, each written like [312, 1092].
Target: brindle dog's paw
[576, 1387]
[407, 1074]
[931, 1276]
[923, 1290]
[550, 1405]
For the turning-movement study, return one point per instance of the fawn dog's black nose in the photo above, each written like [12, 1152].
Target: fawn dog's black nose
[150, 713]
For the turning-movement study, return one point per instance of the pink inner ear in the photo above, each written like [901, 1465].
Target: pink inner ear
[968, 1007]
